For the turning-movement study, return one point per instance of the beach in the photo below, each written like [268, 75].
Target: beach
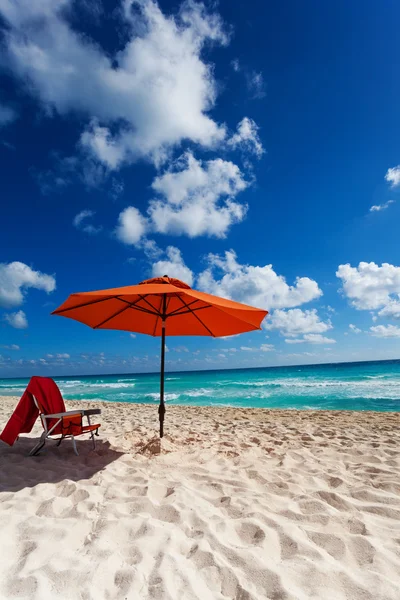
[239, 504]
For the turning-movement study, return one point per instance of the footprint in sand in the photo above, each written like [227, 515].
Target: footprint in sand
[329, 542]
[133, 556]
[65, 489]
[123, 579]
[250, 533]
[46, 509]
[79, 496]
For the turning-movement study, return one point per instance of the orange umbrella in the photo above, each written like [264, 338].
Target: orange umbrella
[159, 307]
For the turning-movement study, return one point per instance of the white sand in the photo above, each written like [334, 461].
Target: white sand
[240, 505]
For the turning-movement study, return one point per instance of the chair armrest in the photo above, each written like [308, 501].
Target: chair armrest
[92, 411]
[64, 414]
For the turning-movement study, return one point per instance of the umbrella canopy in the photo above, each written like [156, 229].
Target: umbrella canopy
[161, 306]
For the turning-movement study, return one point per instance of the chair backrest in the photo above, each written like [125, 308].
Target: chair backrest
[46, 394]
[41, 411]
[47, 399]
[37, 404]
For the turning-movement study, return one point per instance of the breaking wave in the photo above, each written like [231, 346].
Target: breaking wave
[362, 387]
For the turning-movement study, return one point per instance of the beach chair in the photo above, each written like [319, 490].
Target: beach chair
[43, 397]
[68, 424]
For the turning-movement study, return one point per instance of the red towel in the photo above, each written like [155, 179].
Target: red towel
[24, 416]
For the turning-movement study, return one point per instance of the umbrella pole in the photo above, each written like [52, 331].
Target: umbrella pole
[161, 408]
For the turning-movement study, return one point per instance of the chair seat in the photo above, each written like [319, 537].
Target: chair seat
[72, 425]
[87, 428]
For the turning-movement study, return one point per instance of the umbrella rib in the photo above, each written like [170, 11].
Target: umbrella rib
[63, 310]
[150, 304]
[180, 308]
[168, 302]
[121, 310]
[185, 312]
[197, 317]
[155, 326]
[128, 305]
[140, 308]
[160, 314]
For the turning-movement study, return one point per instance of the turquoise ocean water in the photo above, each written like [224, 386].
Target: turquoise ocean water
[349, 386]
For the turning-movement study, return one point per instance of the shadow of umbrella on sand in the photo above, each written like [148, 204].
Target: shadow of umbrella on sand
[159, 307]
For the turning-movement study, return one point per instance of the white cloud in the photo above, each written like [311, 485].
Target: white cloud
[99, 141]
[385, 331]
[7, 115]
[91, 229]
[66, 170]
[255, 84]
[152, 94]
[180, 349]
[150, 249]
[173, 266]
[131, 226]
[254, 285]
[17, 319]
[84, 214]
[132, 335]
[8, 145]
[198, 198]
[391, 310]
[117, 188]
[354, 329]
[194, 199]
[370, 286]
[11, 347]
[79, 219]
[262, 348]
[379, 207]
[247, 138]
[235, 64]
[63, 355]
[311, 338]
[393, 176]
[266, 347]
[16, 277]
[295, 322]
[301, 354]
[61, 174]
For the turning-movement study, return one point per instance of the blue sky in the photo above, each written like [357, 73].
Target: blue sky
[250, 149]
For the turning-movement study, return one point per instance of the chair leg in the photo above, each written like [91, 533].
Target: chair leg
[60, 440]
[39, 445]
[93, 440]
[74, 445]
